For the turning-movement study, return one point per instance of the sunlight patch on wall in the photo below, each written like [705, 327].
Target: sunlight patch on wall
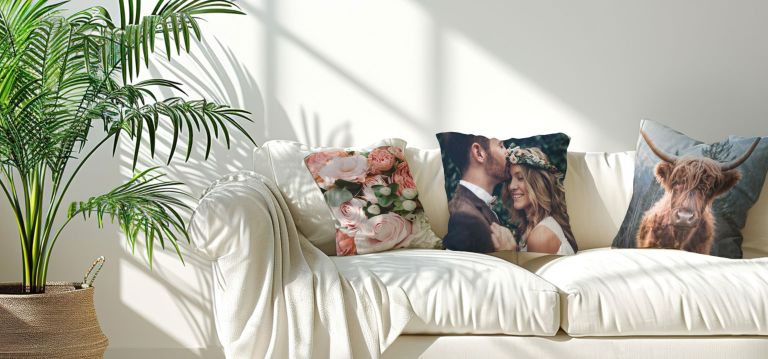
[486, 96]
[370, 81]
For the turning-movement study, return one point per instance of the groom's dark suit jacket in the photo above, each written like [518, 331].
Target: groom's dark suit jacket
[469, 225]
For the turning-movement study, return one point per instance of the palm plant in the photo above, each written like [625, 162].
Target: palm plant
[62, 75]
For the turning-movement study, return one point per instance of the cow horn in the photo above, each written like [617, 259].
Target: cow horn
[664, 156]
[735, 163]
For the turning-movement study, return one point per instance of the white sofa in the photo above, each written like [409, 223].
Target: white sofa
[278, 294]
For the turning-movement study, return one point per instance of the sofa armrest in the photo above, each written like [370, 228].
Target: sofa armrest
[235, 226]
[277, 295]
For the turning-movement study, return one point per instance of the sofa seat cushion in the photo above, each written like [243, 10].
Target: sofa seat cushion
[461, 292]
[618, 292]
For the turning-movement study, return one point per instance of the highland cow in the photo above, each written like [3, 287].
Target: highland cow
[682, 217]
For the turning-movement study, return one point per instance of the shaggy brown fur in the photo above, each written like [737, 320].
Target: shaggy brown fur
[682, 218]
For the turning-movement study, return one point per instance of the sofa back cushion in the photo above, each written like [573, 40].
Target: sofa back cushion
[427, 171]
[283, 163]
[755, 232]
[598, 187]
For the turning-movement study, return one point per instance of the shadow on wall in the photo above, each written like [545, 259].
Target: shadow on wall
[340, 135]
[226, 80]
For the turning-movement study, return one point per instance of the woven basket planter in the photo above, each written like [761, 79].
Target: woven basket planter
[60, 323]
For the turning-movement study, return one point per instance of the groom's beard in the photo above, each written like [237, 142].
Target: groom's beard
[496, 169]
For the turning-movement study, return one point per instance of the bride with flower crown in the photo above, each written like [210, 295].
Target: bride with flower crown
[535, 196]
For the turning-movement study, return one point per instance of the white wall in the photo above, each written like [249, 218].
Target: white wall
[347, 72]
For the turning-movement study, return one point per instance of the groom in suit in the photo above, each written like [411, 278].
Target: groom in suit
[472, 225]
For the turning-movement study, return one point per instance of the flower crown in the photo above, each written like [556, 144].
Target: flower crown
[517, 156]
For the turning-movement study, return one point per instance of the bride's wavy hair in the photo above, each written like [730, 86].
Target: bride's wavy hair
[547, 196]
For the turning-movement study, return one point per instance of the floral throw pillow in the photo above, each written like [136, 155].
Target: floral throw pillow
[373, 199]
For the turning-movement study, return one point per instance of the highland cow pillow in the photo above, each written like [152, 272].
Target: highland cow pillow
[525, 174]
[373, 199]
[690, 195]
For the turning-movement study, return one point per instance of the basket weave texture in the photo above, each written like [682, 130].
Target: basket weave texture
[60, 323]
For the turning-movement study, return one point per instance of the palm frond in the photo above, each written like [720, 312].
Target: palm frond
[42, 82]
[18, 18]
[139, 118]
[145, 206]
[19, 21]
[177, 21]
[7, 141]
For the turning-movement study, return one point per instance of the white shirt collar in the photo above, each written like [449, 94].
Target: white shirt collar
[478, 191]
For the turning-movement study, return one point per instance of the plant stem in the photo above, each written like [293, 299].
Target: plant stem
[20, 224]
[48, 249]
[47, 256]
[33, 224]
[38, 194]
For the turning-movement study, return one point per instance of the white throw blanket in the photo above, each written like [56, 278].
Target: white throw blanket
[275, 294]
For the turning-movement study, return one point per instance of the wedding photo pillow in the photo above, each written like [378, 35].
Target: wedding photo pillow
[506, 194]
[373, 199]
[692, 196]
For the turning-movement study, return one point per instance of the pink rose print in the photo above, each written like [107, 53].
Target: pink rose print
[350, 214]
[402, 176]
[380, 160]
[345, 244]
[383, 232]
[352, 168]
[316, 161]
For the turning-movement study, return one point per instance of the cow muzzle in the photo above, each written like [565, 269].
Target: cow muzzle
[684, 217]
